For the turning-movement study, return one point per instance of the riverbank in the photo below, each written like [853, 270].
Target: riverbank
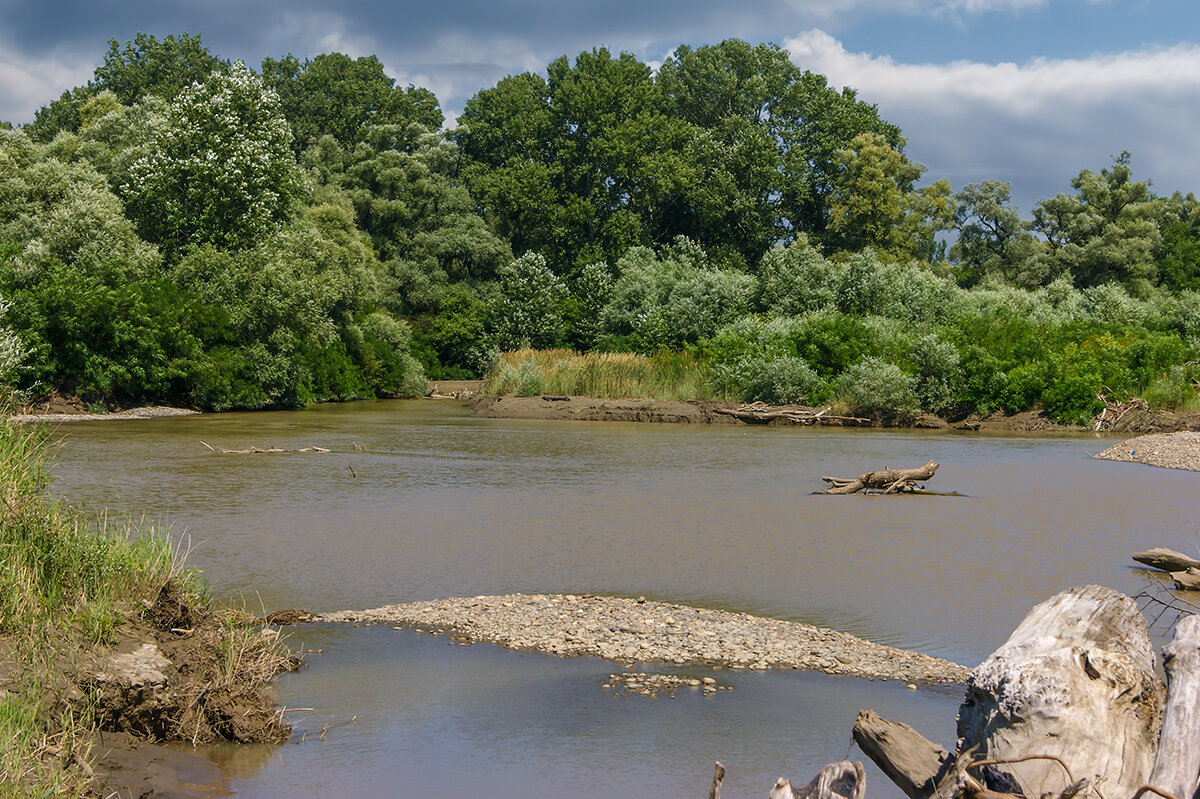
[102, 631]
[593, 409]
[1179, 450]
[642, 631]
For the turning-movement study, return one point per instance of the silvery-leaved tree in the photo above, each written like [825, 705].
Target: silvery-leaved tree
[219, 168]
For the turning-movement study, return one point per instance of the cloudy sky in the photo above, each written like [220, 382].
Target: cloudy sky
[1028, 91]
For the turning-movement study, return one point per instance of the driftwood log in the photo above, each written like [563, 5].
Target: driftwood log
[1069, 706]
[902, 753]
[261, 450]
[842, 780]
[1177, 762]
[761, 413]
[1167, 560]
[887, 481]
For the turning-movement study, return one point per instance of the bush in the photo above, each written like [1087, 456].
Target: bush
[778, 380]
[880, 390]
[938, 376]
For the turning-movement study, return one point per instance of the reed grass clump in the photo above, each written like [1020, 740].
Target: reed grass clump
[606, 375]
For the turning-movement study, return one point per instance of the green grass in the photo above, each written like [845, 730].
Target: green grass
[606, 375]
[64, 581]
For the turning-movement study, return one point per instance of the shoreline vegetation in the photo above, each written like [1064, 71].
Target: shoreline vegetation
[352, 248]
[102, 628]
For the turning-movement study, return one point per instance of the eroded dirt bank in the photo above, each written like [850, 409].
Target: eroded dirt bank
[641, 631]
[591, 409]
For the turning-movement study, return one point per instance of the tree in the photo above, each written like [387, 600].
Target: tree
[144, 66]
[1106, 231]
[219, 169]
[529, 309]
[335, 95]
[992, 237]
[868, 199]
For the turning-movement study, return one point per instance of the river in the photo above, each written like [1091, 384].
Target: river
[419, 500]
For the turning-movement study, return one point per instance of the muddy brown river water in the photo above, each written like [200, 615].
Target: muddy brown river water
[420, 500]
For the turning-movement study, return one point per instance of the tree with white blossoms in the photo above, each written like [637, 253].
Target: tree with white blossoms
[529, 309]
[219, 169]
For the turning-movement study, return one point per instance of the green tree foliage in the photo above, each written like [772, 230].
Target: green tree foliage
[145, 66]
[1106, 231]
[529, 309]
[992, 237]
[867, 204]
[86, 299]
[219, 169]
[335, 95]
[731, 145]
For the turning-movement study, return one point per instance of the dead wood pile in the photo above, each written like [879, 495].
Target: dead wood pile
[886, 481]
[761, 413]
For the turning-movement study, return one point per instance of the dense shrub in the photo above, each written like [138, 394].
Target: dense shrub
[777, 380]
[879, 390]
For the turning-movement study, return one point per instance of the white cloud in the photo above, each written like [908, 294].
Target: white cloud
[30, 83]
[1035, 124]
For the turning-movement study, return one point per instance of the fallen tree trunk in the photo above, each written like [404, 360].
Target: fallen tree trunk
[1177, 762]
[889, 481]
[1167, 560]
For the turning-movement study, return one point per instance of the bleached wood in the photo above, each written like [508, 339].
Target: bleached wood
[1177, 763]
[1075, 680]
[842, 780]
[886, 480]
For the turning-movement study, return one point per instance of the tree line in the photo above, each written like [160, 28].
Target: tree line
[184, 228]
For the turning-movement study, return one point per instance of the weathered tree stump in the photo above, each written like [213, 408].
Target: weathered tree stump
[1074, 681]
[1167, 560]
[889, 481]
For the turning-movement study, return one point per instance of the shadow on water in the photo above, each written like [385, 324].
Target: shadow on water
[420, 500]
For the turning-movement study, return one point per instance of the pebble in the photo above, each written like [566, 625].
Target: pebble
[1168, 450]
[638, 631]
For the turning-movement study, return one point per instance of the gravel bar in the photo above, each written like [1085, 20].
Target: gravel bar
[641, 631]
[1168, 450]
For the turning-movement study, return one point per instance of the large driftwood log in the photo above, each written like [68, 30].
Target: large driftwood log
[903, 754]
[889, 481]
[843, 780]
[1167, 560]
[1075, 682]
[1177, 762]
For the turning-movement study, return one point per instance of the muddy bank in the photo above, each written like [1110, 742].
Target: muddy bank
[1180, 450]
[640, 631]
[169, 672]
[591, 409]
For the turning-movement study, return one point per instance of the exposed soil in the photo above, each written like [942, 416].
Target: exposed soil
[1180, 450]
[167, 676]
[591, 409]
[641, 631]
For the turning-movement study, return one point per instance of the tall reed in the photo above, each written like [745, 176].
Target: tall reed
[609, 375]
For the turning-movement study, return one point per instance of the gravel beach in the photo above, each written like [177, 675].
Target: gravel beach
[641, 631]
[1168, 450]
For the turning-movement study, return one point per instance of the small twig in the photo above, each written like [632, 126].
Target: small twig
[1002, 761]
[1151, 789]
